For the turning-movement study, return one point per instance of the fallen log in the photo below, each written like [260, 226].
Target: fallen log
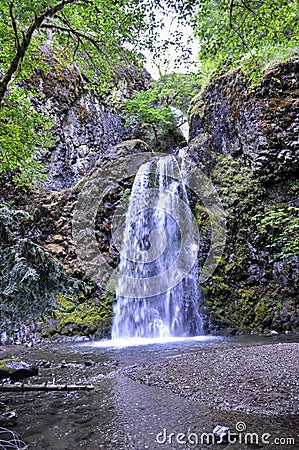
[45, 387]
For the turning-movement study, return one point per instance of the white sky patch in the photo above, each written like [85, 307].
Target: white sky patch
[165, 64]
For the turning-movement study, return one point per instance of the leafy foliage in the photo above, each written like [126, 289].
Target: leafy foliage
[165, 103]
[145, 106]
[229, 30]
[24, 133]
[30, 277]
[280, 226]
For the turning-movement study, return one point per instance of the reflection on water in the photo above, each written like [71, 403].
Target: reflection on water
[134, 342]
[121, 413]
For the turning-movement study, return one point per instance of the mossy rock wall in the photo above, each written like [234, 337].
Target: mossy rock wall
[247, 142]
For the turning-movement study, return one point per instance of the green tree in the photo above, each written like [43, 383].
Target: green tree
[165, 103]
[229, 30]
[94, 33]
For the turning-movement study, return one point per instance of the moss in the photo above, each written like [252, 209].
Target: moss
[230, 299]
[262, 311]
[197, 106]
[66, 304]
[80, 318]
[4, 362]
[279, 225]
[78, 315]
[126, 195]
[85, 318]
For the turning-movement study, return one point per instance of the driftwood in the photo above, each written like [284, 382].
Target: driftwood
[45, 387]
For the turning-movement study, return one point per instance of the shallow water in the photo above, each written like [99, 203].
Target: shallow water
[123, 414]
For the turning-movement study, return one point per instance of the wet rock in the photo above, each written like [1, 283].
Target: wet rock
[16, 370]
[45, 364]
[256, 125]
[89, 363]
[85, 126]
[272, 333]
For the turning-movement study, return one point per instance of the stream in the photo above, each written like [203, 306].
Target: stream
[121, 413]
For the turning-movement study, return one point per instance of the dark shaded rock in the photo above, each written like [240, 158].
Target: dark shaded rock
[16, 370]
[89, 363]
[246, 140]
[86, 125]
[80, 313]
[8, 419]
[262, 125]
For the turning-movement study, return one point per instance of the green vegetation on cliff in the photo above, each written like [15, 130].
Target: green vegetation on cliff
[163, 107]
[229, 30]
[31, 279]
[254, 286]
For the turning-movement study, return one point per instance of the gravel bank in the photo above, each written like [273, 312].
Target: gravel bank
[259, 379]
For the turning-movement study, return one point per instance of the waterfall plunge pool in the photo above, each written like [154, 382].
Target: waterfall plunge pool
[136, 342]
[121, 413]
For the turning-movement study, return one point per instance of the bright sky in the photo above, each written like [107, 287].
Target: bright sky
[172, 25]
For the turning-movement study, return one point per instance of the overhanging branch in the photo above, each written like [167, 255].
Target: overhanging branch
[14, 25]
[23, 46]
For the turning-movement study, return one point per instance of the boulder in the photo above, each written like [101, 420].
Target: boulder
[16, 370]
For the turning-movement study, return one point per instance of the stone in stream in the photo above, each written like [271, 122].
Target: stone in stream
[16, 370]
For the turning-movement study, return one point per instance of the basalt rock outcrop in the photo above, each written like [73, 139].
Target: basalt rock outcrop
[261, 124]
[246, 139]
[85, 125]
[38, 254]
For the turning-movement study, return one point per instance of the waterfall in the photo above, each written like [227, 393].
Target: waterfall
[157, 289]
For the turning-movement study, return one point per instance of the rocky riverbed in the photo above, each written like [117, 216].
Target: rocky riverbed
[260, 379]
[142, 392]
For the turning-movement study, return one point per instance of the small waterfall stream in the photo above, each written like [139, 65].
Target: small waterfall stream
[157, 291]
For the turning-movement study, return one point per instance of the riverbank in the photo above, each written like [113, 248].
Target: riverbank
[259, 379]
[141, 391]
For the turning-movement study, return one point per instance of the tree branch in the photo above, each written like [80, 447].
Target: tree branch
[236, 30]
[231, 8]
[78, 34]
[23, 46]
[14, 25]
[99, 45]
[257, 18]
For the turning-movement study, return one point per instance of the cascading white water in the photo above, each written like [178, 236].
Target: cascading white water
[157, 291]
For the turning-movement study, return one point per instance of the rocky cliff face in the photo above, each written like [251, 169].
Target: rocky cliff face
[88, 131]
[86, 126]
[246, 140]
[262, 126]
[37, 245]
